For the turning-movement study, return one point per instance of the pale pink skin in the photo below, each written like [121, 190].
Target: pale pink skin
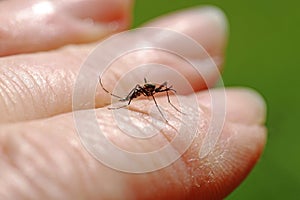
[41, 154]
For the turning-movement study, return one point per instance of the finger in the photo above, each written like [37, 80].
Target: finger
[39, 25]
[236, 99]
[39, 85]
[48, 161]
[210, 30]
[207, 26]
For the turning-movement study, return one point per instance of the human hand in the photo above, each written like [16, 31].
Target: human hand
[41, 154]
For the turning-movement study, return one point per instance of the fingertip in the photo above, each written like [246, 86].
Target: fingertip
[207, 25]
[243, 105]
[217, 15]
[246, 106]
[59, 23]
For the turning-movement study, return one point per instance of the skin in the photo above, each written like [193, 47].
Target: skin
[42, 156]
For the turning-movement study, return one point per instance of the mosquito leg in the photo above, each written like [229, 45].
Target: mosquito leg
[116, 108]
[161, 86]
[129, 102]
[159, 109]
[100, 82]
[167, 89]
[171, 102]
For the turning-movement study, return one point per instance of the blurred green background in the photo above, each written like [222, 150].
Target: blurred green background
[263, 53]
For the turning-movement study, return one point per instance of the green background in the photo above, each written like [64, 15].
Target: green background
[262, 53]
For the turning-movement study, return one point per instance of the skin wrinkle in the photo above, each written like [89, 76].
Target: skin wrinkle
[51, 96]
[25, 90]
[182, 166]
[39, 158]
[84, 168]
[226, 169]
[42, 168]
[15, 169]
[192, 164]
[9, 95]
[204, 176]
[69, 80]
[50, 83]
[81, 153]
[37, 155]
[211, 170]
[38, 82]
[36, 86]
[9, 88]
[13, 145]
[184, 181]
[5, 98]
[66, 78]
[16, 186]
[243, 155]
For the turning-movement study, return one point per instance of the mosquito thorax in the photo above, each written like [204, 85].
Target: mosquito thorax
[149, 85]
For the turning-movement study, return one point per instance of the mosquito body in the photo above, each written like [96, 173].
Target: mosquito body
[148, 89]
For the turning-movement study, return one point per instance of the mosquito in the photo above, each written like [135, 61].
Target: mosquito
[148, 89]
